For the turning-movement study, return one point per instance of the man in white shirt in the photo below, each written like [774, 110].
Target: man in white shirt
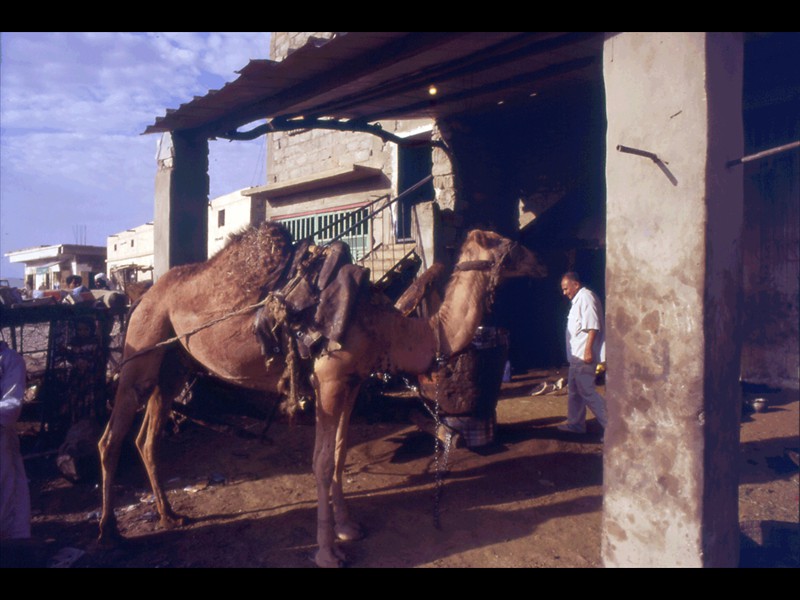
[585, 349]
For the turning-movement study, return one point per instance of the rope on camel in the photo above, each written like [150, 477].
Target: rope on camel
[176, 338]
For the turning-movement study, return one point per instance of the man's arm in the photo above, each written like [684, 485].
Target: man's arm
[588, 355]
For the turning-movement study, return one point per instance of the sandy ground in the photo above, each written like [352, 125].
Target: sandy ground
[531, 499]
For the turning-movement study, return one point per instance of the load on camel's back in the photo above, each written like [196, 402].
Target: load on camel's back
[342, 343]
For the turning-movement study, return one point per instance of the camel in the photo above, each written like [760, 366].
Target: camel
[378, 339]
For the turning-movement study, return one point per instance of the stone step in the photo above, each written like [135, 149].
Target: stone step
[384, 258]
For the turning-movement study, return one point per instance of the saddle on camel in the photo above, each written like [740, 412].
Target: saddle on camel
[292, 311]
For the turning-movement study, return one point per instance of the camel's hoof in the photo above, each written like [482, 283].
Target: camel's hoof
[329, 559]
[349, 532]
[109, 538]
[173, 521]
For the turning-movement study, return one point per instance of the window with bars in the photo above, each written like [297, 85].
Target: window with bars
[350, 226]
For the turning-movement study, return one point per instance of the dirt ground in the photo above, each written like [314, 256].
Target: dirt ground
[531, 499]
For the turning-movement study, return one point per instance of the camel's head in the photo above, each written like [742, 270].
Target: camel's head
[497, 252]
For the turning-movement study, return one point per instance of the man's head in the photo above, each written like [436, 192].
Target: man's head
[570, 284]
[74, 281]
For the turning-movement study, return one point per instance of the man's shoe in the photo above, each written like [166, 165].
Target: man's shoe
[572, 428]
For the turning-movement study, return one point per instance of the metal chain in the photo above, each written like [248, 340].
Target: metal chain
[440, 458]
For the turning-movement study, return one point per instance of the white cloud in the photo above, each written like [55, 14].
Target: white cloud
[72, 108]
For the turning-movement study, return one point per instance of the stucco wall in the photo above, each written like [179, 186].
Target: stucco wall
[672, 284]
[240, 212]
[181, 201]
[127, 246]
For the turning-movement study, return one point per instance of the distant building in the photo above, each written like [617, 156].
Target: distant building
[130, 254]
[229, 214]
[49, 266]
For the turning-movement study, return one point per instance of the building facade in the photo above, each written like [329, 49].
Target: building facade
[229, 214]
[323, 182]
[47, 267]
[131, 254]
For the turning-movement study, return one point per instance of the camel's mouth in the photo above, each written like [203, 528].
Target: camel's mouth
[522, 262]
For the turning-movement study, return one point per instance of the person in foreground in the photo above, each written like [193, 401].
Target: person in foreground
[15, 504]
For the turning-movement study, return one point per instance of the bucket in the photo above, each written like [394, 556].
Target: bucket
[469, 386]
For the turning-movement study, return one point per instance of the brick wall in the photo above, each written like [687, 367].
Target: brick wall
[304, 153]
[283, 42]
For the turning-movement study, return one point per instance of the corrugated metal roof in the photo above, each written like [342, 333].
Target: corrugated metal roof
[378, 75]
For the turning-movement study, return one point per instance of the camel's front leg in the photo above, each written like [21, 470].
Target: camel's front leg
[327, 554]
[334, 403]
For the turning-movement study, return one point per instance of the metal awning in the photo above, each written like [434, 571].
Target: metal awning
[367, 76]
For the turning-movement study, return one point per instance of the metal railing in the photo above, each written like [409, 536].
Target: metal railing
[351, 227]
[369, 230]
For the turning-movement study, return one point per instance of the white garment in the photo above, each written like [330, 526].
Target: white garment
[585, 313]
[15, 503]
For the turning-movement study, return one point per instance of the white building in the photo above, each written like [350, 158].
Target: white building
[230, 214]
[49, 266]
[130, 254]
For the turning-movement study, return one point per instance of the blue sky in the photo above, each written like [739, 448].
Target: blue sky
[74, 166]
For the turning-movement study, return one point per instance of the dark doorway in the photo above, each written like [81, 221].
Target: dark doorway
[414, 164]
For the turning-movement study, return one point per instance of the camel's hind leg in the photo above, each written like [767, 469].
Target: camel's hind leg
[129, 397]
[147, 442]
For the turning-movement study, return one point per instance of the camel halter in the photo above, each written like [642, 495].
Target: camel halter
[494, 266]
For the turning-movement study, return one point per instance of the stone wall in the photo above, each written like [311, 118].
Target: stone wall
[299, 154]
[306, 155]
[282, 43]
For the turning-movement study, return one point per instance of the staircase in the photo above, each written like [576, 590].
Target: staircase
[384, 258]
[392, 267]
[369, 230]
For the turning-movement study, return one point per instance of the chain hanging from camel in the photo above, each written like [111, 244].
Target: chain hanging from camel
[439, 374]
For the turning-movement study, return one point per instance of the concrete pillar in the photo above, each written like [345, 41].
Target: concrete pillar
[181, 201]
[673, 286]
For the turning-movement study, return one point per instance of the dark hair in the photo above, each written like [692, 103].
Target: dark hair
[572, 276]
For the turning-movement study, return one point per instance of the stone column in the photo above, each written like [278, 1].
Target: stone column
[673, 282]
[181, 201]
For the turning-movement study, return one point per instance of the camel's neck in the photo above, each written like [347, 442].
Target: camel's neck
[462, 311]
